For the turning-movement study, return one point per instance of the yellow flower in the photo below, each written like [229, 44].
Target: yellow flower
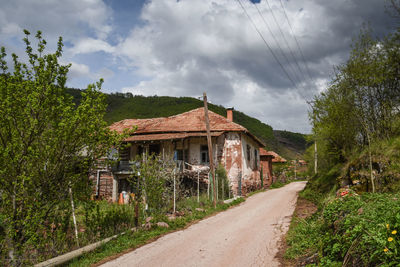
[385, 250]
[387, 226]
[390, 239]
[394, 232]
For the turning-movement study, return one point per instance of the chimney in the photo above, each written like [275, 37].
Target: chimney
[229, 114]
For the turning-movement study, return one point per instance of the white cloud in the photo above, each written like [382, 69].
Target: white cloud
[78, 70]
[70, 18]
[187, 47]
[90, 45]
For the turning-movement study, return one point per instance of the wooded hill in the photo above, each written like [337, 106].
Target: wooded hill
[122, 106]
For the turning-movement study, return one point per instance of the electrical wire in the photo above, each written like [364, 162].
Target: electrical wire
[266, 43]
[297, 42]
[275, 39]
[285, 40]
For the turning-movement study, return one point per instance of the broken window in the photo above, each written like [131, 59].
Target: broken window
[181, 155]
[204, 154]
[248, 152]
[255, 158]
[154, 149]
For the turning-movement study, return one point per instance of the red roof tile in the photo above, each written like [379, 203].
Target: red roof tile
[264, 152]
[191, 121]
[277, 158]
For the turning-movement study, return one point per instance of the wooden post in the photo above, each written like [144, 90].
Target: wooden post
[174, 193]
[73, 216]
[198, 186]
[209, 143]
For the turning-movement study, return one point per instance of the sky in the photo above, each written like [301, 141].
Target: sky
[264, 58]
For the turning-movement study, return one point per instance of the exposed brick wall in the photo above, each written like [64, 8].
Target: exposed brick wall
[106, 180]
[266, 164]
[233, 151]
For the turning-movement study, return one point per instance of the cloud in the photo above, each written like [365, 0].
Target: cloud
[78, 70]
[90, 45]
[187, 47]
[70, 18]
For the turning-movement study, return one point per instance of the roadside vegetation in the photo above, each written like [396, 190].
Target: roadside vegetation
[190, 211]
[356, 124]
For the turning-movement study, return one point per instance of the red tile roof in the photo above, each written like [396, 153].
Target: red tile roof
[264, 152]
[277, 158]
[191, 121]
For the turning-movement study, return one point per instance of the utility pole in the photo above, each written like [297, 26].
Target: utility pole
[315, 158]
[210, 152]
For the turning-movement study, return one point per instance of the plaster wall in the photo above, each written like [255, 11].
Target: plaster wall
[250, 167]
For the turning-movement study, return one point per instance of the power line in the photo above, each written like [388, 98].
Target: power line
[284, 38]
[266, 43]
[297, 42]
[273, 36]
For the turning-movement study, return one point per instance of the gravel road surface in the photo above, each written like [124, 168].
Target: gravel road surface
[246, 235]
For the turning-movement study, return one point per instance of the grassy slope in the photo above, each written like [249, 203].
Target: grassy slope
[123, 106]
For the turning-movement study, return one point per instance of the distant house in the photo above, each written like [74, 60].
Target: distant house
[277, 158]
[183, 138]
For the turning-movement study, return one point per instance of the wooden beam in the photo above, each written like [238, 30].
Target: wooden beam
[210, 150]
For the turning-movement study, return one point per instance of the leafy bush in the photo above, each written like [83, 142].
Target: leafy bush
[351, 230]
[363, 229]
[104, 219]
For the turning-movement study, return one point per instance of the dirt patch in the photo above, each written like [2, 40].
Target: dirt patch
[304, 209]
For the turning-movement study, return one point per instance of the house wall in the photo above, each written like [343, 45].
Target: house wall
[266, 163]
[250, 168]
[229, 150]
[232, 159]
[105, 187]
[194, 149]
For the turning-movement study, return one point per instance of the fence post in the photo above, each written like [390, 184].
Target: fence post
[174, 193]
[198, 186]
[240, 184]
[73, 216]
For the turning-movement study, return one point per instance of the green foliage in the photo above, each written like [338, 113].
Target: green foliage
[141, 236]
[222, 182]
[102, 219]
[278, 184]
[153, 179]
[357, 230]
[47, 145]
[361, 104]
[303, 238]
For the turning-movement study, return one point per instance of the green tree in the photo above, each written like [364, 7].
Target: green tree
[47, 146]
[361, 105]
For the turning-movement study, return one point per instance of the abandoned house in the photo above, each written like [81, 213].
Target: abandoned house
[183, 137]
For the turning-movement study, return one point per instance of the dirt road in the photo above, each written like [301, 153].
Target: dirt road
[246, 235]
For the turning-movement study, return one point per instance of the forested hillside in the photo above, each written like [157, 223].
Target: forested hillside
[122, 106]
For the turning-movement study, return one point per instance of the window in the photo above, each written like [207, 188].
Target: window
[154, 149]
[255, 158]
[248, 152]
[178, 154]
[204, 154]
[140, 151]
